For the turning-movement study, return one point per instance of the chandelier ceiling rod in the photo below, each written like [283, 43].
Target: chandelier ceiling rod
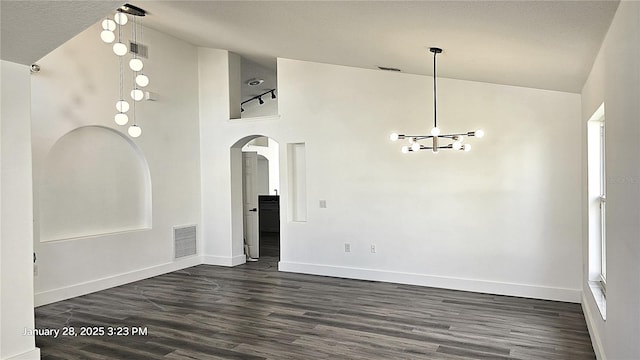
[435, 51]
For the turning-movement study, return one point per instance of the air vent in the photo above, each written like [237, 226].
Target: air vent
[385, 68]
[184, 241]
[139, 49]
[255, 82]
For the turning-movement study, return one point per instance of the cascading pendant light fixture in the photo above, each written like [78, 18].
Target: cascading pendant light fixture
[455, 140]
[136, 65]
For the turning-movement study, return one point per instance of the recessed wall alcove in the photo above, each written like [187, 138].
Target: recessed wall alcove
[95, 181]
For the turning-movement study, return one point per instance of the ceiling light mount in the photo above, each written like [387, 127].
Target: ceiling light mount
[389, 68]
[455, 139]
[131, 10]
[254, 82]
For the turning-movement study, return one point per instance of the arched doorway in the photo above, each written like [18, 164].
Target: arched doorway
[255, 190]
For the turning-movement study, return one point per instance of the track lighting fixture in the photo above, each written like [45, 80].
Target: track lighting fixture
[455, 139]
[259, 98]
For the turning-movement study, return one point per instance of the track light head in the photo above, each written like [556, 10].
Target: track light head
[273, 94]
[260, 100]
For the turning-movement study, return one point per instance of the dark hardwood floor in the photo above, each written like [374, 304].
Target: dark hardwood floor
[254, 312]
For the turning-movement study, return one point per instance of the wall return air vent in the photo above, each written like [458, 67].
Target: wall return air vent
[184, 241]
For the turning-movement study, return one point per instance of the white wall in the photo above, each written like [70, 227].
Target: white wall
[77, 87]
[213, 67]
[504, 218]
[263, 175]
[16, 247]
[615, 80]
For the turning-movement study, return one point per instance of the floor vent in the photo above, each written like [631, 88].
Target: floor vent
[184, 241]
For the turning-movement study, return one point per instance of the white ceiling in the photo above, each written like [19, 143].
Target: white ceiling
[539, 44]
[32, 29]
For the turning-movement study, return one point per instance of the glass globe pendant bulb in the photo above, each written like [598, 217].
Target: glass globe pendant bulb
[136, 64]
[137, 94]
[122, 106]
[121, 18]
[108, 24]
[479, 133]
[121, 119]
[412, 140]
[467, 147]
[394, 137]
[435, 131]
[120, 49]
[142, 80]
[135, 131]
[405, 149]
[415, 146]
[107, 36]
[456, 145]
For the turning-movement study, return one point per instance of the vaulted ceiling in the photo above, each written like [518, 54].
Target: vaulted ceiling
[538, 44]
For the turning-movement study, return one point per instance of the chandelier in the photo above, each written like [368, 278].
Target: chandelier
[438, 140]
[140, 80]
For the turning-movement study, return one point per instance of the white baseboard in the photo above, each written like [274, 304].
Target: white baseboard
[224, 260]
[51, 296]
[481, 286]
[33, 354]
[596, 340]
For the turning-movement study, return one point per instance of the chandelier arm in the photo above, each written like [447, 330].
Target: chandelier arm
[422, 147]
[417, 137]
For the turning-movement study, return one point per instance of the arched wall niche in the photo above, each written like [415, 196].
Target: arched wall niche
[95, 181]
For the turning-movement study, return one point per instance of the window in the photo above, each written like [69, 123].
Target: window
[597, 195]
[603, 198]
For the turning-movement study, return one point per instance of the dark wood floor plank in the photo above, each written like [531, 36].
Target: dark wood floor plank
[255, 312]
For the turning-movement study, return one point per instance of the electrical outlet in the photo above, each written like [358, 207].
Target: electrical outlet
[347, 247]
[373, 248]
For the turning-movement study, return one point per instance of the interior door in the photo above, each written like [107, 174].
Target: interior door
[250, 202]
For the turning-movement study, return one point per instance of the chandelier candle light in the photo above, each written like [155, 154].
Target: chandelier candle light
[136, 65]
[455, 140]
